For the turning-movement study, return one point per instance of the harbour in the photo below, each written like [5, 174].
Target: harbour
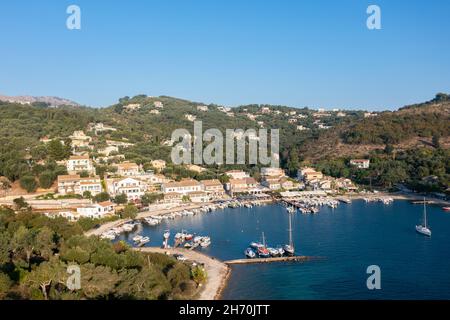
[340, 243]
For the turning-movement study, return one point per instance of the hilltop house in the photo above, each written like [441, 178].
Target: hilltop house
[360, 163]
[202, 108]
[77, 164]
[100, 127]
[80, 139]
[158, 104]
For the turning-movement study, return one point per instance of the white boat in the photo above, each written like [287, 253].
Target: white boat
[137, 238]
[206, 241]
[423, 229]
[144, 240]
[166, 234]
[249, 253]
[128, 227]
[280, 251]
[273, 252]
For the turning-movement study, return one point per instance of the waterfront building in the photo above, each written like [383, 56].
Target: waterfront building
[184, 186]
[133, 188]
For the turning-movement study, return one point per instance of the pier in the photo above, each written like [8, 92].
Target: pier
[274, 259]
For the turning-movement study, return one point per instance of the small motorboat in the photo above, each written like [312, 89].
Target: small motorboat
[273, 252]
[446, 208]
[263, 252]
[249, 253]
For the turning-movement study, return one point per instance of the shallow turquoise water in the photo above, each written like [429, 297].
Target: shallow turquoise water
[351, 237]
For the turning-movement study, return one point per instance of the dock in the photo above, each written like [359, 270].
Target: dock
[274, 259]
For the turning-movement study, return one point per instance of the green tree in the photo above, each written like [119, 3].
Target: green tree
[20, 203]
[46, 179]
[121, 198]
[101, 197]
[28, 183]
[23, 244]
[129, 212]
[45, 275]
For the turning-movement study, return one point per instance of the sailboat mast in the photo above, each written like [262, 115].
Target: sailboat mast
[424, 213]
[290, 232]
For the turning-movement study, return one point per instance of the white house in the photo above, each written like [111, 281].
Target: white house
[360, 163]
[96, 210]
[133, 188]
[77, 164]
[127, 169]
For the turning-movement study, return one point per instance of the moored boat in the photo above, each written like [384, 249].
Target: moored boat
[249, 253]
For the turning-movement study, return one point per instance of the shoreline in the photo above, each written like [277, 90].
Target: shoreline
[217, 272]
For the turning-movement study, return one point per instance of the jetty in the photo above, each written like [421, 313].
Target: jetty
[274, 259]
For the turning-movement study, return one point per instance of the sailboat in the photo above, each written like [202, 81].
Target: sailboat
[262, 251]
[289, 248]
[423, 229]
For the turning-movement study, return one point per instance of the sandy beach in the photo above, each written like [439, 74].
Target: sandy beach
[217, 271]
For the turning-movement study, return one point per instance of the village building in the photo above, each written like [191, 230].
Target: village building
[158, 104]
[245, 185]
[237, 174]
[307, 174]
[127, 169]
[100, 127]
[214, 188]
[97, 210]
[132, 107]
[184, 186]
[77, 164]
[80, 139]
[360, 163]
[198, 196]
[272, 171]
[133, 188]
[173, 197]
[158, 164]
[74, 184]
[202, 108]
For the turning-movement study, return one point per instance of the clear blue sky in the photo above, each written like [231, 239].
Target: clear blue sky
[231, 52]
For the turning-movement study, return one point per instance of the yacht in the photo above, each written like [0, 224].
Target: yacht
[137, 238]
[273, 252]
[143, 241]
[423, 229]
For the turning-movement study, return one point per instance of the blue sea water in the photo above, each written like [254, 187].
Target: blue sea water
[350, 237]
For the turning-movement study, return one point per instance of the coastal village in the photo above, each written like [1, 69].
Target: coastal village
[76, 190]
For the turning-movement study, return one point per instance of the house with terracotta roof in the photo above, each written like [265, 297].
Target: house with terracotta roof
[184, 186]
[214, 188]
[74, 184]
[127, 169]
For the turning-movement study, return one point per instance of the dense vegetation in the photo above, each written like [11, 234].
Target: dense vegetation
[35, 252]
[24, 158]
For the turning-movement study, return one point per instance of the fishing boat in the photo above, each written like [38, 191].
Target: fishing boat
[423, 229]
[289, 248]
[249, 253]
[128, 227]
[206, 241]
[446, 208]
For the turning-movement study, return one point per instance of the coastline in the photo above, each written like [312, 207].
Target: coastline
[217, 272]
